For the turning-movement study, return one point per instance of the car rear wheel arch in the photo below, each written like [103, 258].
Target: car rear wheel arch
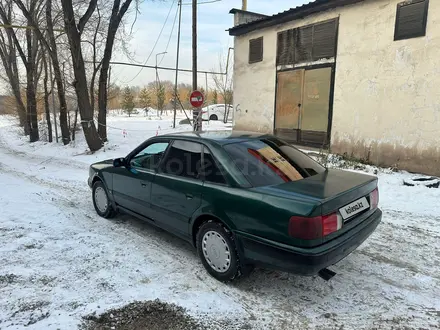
[204, 218]
[200, 220]
[240, 266]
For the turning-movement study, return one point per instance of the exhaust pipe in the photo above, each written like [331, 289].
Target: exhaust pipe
[326, 274]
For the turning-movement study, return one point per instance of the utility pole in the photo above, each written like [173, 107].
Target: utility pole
[206, 84]
[53, 101]
[179, 3]
[196, 111]
[244, 5]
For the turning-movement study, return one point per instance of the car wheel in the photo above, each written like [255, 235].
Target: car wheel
[218, 252]
[213, 117]
[101, 202]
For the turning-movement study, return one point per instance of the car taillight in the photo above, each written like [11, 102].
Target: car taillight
[374, 198]
[316, 227]
[331, 223]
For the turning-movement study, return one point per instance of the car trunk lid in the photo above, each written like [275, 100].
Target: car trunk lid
[334, 188]
[335, 191]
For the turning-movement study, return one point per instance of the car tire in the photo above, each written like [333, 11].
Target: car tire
[215, 243]
[213, 117]
[101, 201]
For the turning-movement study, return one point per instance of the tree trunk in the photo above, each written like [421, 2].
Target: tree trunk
[75, 121]
[32, 108]
[113, 26]
[30, 89]
[65, 132]
[21, 108]
[80, 84]
[46, 101]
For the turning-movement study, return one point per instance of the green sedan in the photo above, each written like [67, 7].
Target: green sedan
[241, 199]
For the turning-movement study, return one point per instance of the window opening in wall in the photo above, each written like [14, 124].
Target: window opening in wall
[256, 50]
[307, 43]
[411, 19]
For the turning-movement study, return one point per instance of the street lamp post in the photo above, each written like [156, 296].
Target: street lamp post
[157, 78]
[157, 75]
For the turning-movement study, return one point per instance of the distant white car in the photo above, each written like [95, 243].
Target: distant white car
[217, 112]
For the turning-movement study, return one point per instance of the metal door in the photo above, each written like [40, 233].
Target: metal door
[315, 108]
[288, 104]
[302, 105]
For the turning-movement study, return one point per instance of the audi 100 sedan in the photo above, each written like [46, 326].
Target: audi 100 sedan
[242, 200]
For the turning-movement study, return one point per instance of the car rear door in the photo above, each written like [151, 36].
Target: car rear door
[177, 188]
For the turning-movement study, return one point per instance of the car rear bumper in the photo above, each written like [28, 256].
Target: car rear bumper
[307, 261]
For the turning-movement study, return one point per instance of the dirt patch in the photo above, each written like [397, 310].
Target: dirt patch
[151, 315]
[412, 159]
[8, 279]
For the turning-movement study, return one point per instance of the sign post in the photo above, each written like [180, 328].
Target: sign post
[197, 99]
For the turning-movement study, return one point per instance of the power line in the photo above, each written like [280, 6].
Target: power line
[171, 33]
[159, 67]
[155, 44]
[200, 3]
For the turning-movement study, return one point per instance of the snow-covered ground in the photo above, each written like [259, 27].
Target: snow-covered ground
[59, 261]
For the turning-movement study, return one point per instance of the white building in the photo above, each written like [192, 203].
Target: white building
[360, 76]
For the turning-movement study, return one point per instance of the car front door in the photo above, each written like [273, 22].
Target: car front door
[177, 189]
[132, 184]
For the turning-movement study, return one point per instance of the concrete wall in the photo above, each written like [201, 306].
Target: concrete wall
[387, 93]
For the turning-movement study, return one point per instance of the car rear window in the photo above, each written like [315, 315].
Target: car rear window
[270, 162]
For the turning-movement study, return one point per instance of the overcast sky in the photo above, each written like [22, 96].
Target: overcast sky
[213, 39]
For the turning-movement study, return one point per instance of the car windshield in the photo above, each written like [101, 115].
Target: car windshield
[270, 162]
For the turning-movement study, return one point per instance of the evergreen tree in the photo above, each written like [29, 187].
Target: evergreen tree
[145, 99]
[160, 95]
[128, 101]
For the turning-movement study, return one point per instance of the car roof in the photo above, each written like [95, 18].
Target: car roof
[220, 137]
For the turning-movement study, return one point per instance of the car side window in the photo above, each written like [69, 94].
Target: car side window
[211, 171]
[183, 159]
[149, 158]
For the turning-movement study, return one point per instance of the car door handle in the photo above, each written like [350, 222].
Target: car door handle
[189, 196]
[143, 184]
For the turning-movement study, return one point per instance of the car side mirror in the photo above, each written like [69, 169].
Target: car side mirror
[118, 162]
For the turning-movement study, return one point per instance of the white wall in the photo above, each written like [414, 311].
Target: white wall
[387, 93]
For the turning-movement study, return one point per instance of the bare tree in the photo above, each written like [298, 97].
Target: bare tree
[51, 47]
[30, 62]
[73, 31]
[118, 12]
[96, 64]
[8, 56]
[223, 84]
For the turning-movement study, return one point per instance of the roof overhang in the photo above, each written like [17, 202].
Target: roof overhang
[289, 15]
